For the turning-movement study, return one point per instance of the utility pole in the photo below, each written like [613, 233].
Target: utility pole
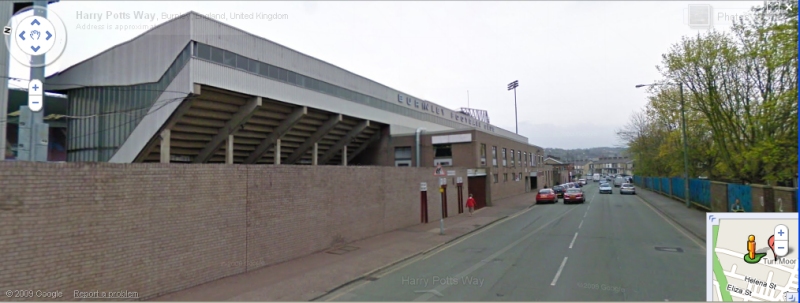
[513, 86]
[685, 149]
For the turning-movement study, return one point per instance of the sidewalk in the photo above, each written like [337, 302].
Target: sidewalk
[691, 219]
[310, 277]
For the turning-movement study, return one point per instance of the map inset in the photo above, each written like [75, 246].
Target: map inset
[753, 257]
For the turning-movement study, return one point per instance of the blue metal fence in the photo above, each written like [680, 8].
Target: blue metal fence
[677, 187]
[743, 194]
[700, 191]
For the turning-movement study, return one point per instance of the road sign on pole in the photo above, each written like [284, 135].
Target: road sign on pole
[439, 171]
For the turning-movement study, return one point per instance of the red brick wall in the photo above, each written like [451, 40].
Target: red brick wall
[159, 228]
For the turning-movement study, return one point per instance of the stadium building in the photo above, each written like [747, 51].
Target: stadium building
[196, 90]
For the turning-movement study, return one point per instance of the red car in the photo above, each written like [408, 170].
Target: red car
[546, 196]
[574, 195]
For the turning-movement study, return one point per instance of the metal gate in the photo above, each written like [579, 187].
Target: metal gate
[477, 187]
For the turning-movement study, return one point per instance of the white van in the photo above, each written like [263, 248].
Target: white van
[596, 177]
[619, 181]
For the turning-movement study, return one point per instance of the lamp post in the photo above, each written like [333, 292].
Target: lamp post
[685, 145]
[513, 86]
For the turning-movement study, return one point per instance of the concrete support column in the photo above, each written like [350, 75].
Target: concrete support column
[229, 151]
[315, 154]
[165, 153]
[344, 155]
[278, 152]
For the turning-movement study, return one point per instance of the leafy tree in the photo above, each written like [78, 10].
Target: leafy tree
[741, 103]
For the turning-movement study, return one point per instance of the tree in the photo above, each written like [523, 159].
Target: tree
[741, 103]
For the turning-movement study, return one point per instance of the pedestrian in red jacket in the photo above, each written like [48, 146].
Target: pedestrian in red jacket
[471, 204]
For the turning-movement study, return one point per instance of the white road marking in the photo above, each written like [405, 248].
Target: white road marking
[558, 273]
[573, 241]
[585, 214]
[579, 225]
[488, 260]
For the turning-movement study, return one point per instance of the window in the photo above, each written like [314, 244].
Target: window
[252, 66]
[229, 59]
[263, 69]
[495, 178]
[512, 157]
[282, 75]
[203, 51]
[242, 62]
[442, 151]
[292, 77]
[505, 163]
[216, 55]
[505, 177]
[483, 154]
[402, 156]
[274, 73]
[402, 153]
[525, 159]
[519, 178]
[494, 156]
[519, 157]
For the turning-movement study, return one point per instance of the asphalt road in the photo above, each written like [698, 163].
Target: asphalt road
[603, 250]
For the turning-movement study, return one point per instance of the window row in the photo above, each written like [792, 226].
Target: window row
[214, 54]
[514, 176]
[524, 159]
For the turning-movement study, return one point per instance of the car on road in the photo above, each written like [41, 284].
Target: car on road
[574, 195]
[627, 188]
[605, 188]
[559, 190]
[582, 181]
[546, 195]
[619, 181]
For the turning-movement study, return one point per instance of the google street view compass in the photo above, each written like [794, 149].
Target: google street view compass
[29, 35]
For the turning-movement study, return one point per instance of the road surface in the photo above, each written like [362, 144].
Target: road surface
[612, 248]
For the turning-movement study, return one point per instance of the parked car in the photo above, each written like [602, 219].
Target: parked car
[574, 195]
[627, 188]
[559, 190]
[605, 188]
[546, 195]
[582, 181]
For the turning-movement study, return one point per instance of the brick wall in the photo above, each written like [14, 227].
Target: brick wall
[159, 228]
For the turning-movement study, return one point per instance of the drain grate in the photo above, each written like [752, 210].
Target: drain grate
[669, 249]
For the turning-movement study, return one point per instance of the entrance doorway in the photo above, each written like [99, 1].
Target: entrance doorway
[477, 187]
[534, 183]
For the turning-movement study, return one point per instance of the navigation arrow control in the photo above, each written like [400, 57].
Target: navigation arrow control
[35, 22]
[35, 48]
[22, 35]
[49, 35]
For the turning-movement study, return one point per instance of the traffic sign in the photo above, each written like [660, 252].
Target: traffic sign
[439, 171]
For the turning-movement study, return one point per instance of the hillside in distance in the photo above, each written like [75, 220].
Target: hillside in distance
[586, 153]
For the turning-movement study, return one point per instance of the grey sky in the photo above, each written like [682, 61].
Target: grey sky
[577, 62]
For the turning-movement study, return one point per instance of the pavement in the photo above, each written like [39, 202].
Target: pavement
[611, 248]
[309, 277]
[692, 219]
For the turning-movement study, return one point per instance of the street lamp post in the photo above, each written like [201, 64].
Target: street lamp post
[513, 86]
[685, 143]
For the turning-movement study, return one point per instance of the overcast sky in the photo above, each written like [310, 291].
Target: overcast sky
[576, 62]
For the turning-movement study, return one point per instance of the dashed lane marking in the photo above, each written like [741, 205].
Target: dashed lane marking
[573, 240]
[558, 273]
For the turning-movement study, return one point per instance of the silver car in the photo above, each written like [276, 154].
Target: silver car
[627, 188]
[605, 188]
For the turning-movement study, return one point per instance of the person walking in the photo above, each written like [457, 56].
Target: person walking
[471, 204]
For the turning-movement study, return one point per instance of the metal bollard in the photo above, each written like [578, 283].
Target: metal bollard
[441, 226]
